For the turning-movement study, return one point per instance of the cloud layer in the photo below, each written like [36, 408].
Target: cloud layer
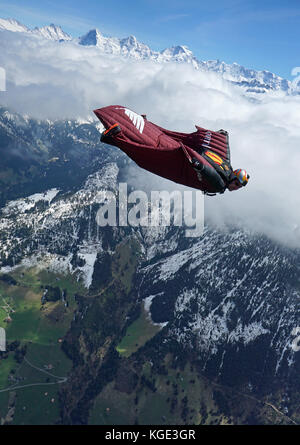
[50, 80]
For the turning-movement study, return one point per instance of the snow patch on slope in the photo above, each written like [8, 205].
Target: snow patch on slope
[87, 270]
[147, 307]
[24, 204]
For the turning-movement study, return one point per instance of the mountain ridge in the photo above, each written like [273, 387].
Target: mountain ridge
[50, 32]
[252, 81]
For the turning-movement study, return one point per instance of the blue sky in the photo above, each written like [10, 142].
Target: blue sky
[256, 34]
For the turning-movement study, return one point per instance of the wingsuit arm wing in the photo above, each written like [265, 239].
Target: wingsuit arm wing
[209, 174]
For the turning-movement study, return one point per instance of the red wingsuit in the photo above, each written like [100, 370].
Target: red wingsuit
[200, 160]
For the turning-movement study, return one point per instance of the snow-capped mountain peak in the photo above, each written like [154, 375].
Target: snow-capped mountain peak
[128, 46]
[131, 46]
[180, 53]
[52, 32]
[252, 82]
[93, 37]
[130, 41]
[12, 25]
[108, 45]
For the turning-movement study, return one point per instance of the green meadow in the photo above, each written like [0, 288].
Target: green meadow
[38, 328]
[137, 334]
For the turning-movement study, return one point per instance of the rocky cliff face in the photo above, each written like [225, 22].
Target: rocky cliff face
[232, 297]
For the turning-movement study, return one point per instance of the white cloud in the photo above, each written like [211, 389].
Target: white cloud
[50, 80]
